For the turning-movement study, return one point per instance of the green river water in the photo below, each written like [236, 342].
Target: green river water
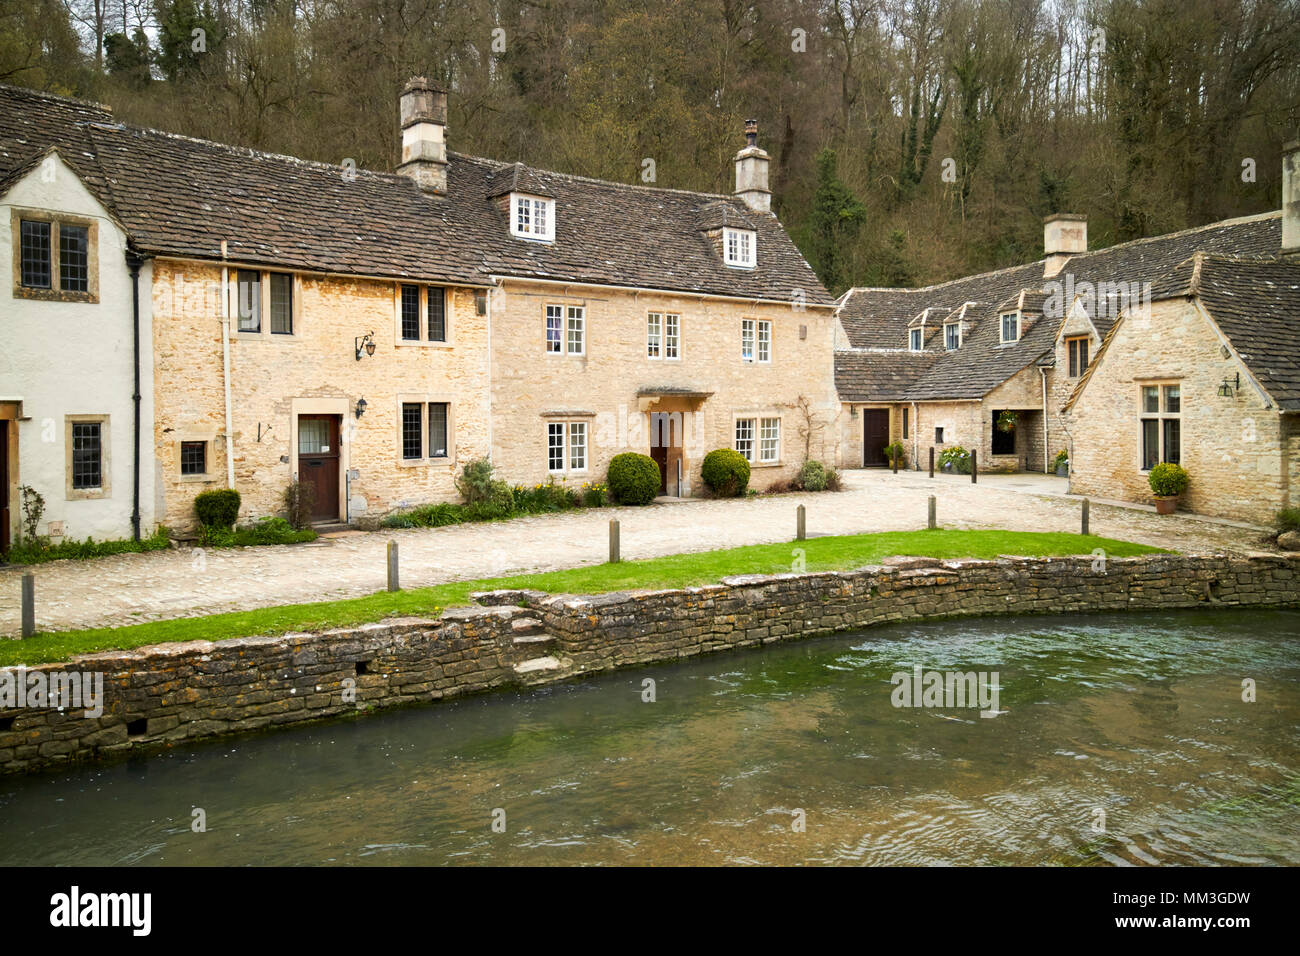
[1134, 723]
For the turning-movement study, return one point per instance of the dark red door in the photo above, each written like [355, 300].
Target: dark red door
[4, 486]
[875, 436]
[318, 463]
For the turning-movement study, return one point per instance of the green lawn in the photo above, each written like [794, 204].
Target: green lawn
[679, 570]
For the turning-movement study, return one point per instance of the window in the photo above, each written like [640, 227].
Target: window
[437, 314]
[248, 300]
[54, 257]
[555, 446]
[654, 335]
[534, 218]
[952, 336]
[281, 303]
[938, 435]
[554, 325]
[755, 340]
[411, 313]
[438, 429]
[745, 437]
[663, 335]
[1011, 327]
[914, 340]
[738, 245]
[1161, 425]
[905, 411]
[769, 439]
[87, 464]
[411, 431]
[672, 336]
[1078, 353]
[194, 458]
[74, 259]
[577, 446]
[36, 260]
[577, 330]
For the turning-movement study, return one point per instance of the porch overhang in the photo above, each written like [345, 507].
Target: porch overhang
[650, 397]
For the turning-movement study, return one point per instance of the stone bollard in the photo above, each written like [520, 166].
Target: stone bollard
[934, 516]
[1083, 517]
[974, 467]
[800, 523]
[393, 583]
[931, 461]
[614, 548]
[29, 604]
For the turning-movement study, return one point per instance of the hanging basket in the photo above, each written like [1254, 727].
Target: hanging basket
[1007, 421]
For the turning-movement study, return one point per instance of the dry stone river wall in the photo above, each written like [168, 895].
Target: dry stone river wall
[159, 696]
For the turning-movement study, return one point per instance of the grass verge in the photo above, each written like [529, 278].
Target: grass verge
[678, 570]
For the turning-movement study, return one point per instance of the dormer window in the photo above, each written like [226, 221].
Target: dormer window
[952, 336]
[532, 217]
[1010, 327]
[914, 340]
[738, 247]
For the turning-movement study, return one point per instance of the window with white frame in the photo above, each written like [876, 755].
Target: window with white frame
[566, 446]
[914, 340]
[755, 340]
[1161, 424]
[576, 331]
[1011, 327]
[672, 336]
[769, 440]
[555, 329]
[663, 335]
[654, 335]
[745, 437]
[952, 336]
[533, 218]
[739, 247]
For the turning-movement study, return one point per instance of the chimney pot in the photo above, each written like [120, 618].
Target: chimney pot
[752, 171]
[751, 132]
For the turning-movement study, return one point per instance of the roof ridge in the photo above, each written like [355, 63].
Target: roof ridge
[45, 95]
[592, 179]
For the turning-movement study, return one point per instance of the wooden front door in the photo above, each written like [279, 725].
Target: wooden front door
[318, 463]
[875, 436]
[666, 448]
[4, 486]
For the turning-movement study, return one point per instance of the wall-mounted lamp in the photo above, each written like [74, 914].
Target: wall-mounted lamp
[361, 407]
[853, 412]
[480, 303]
[367, 343]
[1228, 389]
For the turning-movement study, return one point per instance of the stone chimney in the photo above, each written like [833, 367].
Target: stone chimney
[423, 110]
[1291, 199]
[1064, 234]
[751, 172]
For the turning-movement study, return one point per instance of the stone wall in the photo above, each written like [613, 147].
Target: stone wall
[167, 694]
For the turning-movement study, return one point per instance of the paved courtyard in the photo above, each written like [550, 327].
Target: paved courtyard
[130, 588]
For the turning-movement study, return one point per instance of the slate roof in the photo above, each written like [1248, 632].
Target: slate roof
[181, 197]
[877, 319]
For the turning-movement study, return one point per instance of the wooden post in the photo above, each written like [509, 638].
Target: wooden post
[800, 523]
[29, 604]
[614, 543]
[934, 520]
[1084, 517]
[393, 583]
[974, 467]
[893, 456]
[931, 461]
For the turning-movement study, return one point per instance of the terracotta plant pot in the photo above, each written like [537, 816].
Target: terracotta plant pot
[1166, 504]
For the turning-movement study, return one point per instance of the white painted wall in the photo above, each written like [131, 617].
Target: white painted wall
[69, 358]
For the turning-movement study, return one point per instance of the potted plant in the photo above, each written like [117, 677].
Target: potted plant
[1061, 464]
[1007, 421]
[1167, 482]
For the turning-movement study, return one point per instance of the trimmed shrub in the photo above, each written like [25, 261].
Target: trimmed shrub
[217, 508]
[634, 479]
[812, 476]
[1167, 480]
[299, 499]
[726, 472]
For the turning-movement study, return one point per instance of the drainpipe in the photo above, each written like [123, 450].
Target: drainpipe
[225, 365]
[133, 262]
[916, 437]
[1043, 372]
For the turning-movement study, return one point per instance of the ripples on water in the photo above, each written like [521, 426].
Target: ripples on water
[1137, 716]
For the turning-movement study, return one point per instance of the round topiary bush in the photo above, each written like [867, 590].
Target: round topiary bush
[1167, 480]
[217, 508]
[726, 472]
[634, 479]
[812, 476]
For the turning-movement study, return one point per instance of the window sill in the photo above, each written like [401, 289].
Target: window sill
[198, 479]
[55, 295]
[422, 344]
[538, 239]
[424, 462]
[86, 494]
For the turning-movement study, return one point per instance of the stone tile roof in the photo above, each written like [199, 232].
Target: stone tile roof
[180, 196]
[874, 375]
[877, 319]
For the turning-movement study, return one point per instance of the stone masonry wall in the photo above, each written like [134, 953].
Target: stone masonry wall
[173, 693]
